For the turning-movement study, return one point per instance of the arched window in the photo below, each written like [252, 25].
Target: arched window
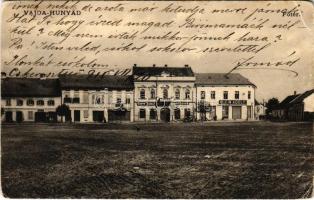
[19, 102]
[40, 102]
[51, 102]
[142, 94]
[187, 94]
[152, 94]
[165, 93]
[177, 93]
[30, 102]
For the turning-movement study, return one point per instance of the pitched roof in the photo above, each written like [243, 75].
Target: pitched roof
[158, 71]
[285, 102]
[301, 97]
[96, 82]
[29, 87]
[258, 103]
[221, 79]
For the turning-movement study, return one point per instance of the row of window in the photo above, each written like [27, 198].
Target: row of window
[225, 95]
[165, 94]
[96, 100]
[30, 102]
[71, 100]
[153, 113]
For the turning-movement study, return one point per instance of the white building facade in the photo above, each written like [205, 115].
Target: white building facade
[29, 100]
[150, 94]
[163, 93]
[221, 97]
[108, 99]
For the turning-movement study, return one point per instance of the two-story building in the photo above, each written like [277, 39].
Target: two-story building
[154, 93]
[163, 93]
[98, 99]
[25, 99]
[220, 96]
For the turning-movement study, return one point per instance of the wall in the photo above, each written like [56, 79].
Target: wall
[243, 95]
[108, 102]
[171, 85]
[25, 109]
[309, 103]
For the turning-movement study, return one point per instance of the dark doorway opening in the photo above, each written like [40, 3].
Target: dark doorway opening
[19, 116]
[187, 113]
[119, 115]
[52, 117]
[98, 116]
[177, 114]
[153, 114]
[40, 116]
[77, 115]
[9, 116]
[165, 114]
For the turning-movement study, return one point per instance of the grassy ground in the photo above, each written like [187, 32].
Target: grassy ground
[214, 160]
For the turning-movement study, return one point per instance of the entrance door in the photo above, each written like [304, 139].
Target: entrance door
[8, 116]
[187, 113]
[98, 116]
[177, 114]
[249, 112]
[40, 116]
[77, 115]
[225, 112]
[52, 117]
[116, 115]
[165, 114]
[236, 112]
[19, 116]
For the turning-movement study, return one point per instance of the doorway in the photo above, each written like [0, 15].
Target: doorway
[19, 116]
[40, 116]
[8, 116]
[77, 115]
[236, 112]
[165, 114]
[98, 116]
[177, 114]
[249, 112]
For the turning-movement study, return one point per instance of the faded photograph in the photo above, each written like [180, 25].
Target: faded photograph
[157, 99]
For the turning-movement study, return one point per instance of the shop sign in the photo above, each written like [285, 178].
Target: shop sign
[146, 103]
[141, 103]
[232, 102]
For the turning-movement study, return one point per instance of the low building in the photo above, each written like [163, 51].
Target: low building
[98, 99]
[163, 93]
[260, 110]
[280, 112]
[302, 107]
[220, 96]
[25, 99]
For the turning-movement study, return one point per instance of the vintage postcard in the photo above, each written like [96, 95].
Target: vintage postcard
[157, 99]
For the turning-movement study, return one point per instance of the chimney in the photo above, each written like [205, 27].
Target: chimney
[186, 65]
[166, 65]
[295, 92]
[154, 65]
[134, 65]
